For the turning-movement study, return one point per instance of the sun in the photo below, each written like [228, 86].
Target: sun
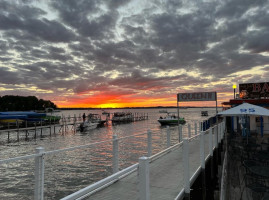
[109, 105]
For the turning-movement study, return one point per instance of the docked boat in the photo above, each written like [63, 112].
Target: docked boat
[85, 126]
[171, 119]
[122, 117]
[28, 116]
[162, 111]
[52, 119]
[96, 118]
[204, 113]
[12, 118]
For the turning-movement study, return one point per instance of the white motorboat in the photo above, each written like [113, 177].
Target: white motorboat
[96, 118]
[87, 125]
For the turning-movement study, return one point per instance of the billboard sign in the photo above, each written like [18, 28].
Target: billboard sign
[254, 90]
[198, 96]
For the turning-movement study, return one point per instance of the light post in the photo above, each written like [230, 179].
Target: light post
[234, 87]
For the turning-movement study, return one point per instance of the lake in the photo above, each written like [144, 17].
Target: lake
[70, 171]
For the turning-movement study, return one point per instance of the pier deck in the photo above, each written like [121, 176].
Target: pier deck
[166, 177]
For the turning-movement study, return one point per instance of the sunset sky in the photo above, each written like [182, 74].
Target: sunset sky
[124, 53]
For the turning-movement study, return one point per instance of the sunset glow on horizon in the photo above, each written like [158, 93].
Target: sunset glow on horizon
[133, 53]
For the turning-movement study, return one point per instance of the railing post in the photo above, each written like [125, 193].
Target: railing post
[195, 128]
[144, 193]
[202, 163]
[189, 130]
[180, 133]
[210, 142]
[202, 149]
[186, 168]
[168, 142]
[149, 143]
[115, 154]
[39, 174]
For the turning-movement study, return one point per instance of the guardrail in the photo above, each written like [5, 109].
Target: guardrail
[143, 163]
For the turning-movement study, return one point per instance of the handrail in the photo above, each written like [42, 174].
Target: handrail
[165, 151]
[109, 180]
[63, 150]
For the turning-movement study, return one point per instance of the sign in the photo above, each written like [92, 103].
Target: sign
[198, 96]
[254, 90]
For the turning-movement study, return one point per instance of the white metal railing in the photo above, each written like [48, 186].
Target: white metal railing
[41, 153]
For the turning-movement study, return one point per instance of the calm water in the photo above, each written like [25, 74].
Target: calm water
[70, 171]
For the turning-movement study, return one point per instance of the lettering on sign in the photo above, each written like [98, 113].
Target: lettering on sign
[254, 90]
[198, 96]
[250, 110]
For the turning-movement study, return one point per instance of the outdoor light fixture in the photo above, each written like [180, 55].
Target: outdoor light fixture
[234, 87]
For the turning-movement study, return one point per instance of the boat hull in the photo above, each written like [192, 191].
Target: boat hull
[164, 122]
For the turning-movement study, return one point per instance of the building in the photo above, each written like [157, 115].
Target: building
[253, 93]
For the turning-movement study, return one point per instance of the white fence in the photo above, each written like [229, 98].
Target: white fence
[143, 162]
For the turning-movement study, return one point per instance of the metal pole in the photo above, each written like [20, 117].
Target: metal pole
[180, 133]
[189, 130]
[168, 142]
[144, 189]
[39, 174]
[149, 143]
[115, 154]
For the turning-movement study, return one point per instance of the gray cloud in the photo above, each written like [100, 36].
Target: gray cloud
[73, 44]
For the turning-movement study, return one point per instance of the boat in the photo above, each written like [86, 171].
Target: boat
[96, 118]
[52, 119]
[122, 117]
[162, 111]
[12, 118]
[85, 126]
[171, 119]
[105, 112]
[204, 113]
[28, 116]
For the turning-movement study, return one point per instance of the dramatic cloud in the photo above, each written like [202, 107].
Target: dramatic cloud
[128, 52]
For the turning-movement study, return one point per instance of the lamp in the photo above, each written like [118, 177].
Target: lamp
[234, 87]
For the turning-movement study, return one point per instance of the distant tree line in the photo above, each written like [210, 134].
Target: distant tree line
[21, 103]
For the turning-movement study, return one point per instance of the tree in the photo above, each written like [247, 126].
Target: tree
[21, 103]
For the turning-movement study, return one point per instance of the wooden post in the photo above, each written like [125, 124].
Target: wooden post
[35, 129]
[18, 130]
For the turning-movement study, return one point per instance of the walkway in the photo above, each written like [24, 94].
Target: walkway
[166, 176]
